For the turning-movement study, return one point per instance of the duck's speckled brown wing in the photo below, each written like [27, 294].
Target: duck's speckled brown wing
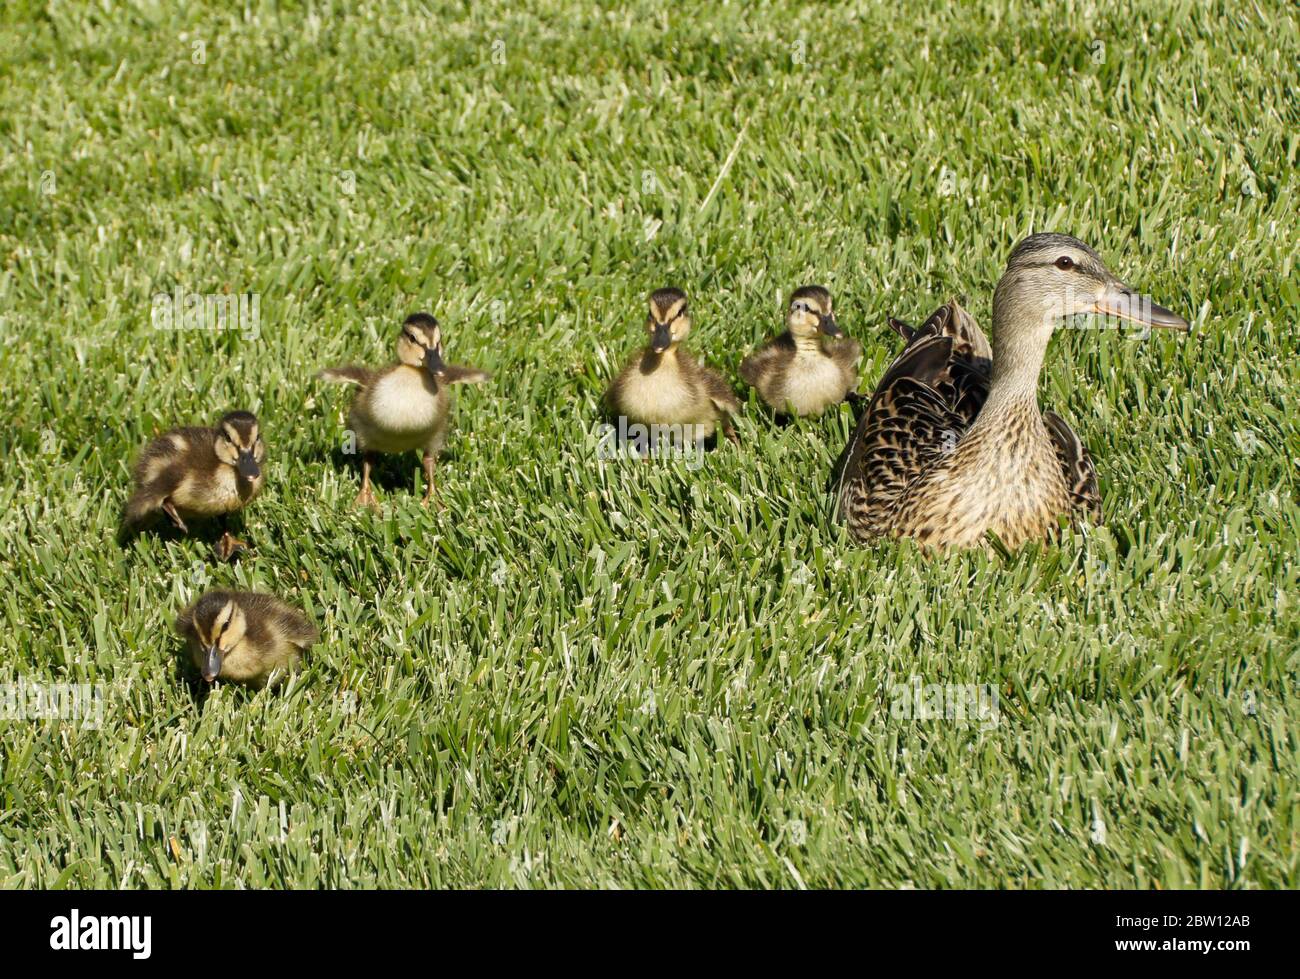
[926, 400]
[951, 320]
[1076, 463]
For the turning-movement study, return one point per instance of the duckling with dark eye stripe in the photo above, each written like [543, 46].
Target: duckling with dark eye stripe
[199, 472]
[665, 385]
[811, 366]
[407, 405]
[245, 637]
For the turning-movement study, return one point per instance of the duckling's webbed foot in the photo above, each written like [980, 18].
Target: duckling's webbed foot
[729, 430]
[229, 546]
[169, 508]
[430, 462]
[367, 496]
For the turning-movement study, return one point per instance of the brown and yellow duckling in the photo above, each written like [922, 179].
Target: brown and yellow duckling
[199, 472]
[665, 385]
[953, 446]
[407, 405]
[812, 365]
[245, 637]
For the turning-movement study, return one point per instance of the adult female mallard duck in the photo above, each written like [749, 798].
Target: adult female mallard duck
[953, 446]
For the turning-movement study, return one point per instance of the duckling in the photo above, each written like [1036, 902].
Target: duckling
[953, 445]
[245, 637]
[199, 472]
[406, 405]
[665, 385]
[809, 367]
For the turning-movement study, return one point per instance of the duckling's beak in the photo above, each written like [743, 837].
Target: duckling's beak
[662, 338]
[1121, 301]
[212, 664]
[433, 364]
[248, 467]
[830, 327]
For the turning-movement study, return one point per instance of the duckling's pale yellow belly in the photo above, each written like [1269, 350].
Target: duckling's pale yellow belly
[812, 383]
[247, 663]
[214, 493]
[400, 413]
[661, 398]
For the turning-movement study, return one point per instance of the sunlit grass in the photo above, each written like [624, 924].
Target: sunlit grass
[635, 674]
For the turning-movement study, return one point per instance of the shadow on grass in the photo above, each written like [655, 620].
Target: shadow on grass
[390, 472]
[206, 530]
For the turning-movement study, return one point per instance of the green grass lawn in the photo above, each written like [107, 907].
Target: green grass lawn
[625, 674]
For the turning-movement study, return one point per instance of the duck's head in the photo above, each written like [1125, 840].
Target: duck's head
[420, 345]
[239, 444]
[219, 625]
[809, 313]
[1052, 276]
[669, 320]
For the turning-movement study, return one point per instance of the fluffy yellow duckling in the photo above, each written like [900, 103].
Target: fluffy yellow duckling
[407, 405]
[199, 472]
[663, 385]
[245, 637]
[809, 367]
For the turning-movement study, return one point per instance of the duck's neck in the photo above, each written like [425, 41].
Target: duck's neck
[808, 344]
[651, 361]
[1019, 345]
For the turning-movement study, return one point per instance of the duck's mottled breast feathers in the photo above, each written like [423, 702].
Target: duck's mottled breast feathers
[926, 400]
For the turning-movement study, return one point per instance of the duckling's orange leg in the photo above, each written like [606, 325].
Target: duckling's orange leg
[169, 508]
[430, 461]
[729, 430]
[229, 545]
[367, 496]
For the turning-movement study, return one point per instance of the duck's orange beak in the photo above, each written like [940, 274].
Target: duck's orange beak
[1120, 301]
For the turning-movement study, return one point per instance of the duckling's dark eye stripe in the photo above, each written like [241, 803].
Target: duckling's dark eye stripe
[413, 338]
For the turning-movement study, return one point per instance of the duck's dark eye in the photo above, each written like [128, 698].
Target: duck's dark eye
[1065, 263]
